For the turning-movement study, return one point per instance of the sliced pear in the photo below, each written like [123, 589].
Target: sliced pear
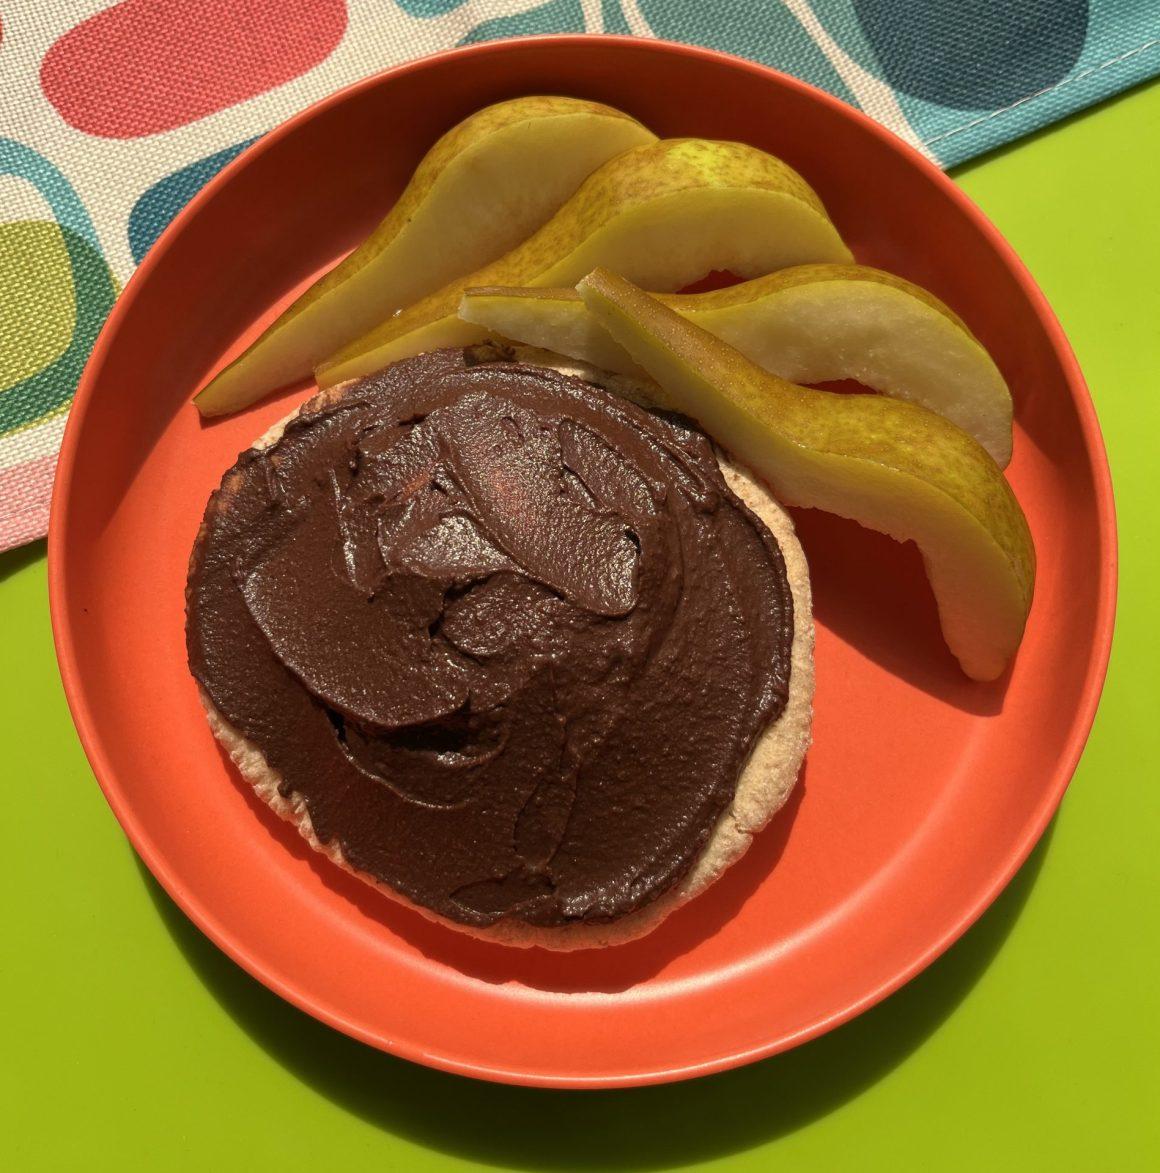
[487, 184]
[808, 324]
[889, 465]
[665, 214]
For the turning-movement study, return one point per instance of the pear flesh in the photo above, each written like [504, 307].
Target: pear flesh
[889, 465]
[487, 184]
[808, 324]
[664, 214]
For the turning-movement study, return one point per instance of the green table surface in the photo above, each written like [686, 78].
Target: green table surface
[129, 1041]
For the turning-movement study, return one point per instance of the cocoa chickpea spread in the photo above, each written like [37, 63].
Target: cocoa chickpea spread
[508, 636]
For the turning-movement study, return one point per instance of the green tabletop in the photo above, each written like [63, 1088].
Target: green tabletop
[130, 1042]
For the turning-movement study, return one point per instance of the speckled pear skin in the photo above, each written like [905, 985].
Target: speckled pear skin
[487, 184]
[808, 324]
[666, 214]
[889, 465]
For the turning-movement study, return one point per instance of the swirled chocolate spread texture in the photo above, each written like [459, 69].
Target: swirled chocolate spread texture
[510, 637]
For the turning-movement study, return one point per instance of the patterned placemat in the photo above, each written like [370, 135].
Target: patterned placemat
[112, 116]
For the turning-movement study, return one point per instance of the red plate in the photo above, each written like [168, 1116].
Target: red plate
[923, 792]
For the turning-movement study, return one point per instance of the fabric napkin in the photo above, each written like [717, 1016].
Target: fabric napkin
[113, 116]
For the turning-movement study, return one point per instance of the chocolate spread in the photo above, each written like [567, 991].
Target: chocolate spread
[510, 637]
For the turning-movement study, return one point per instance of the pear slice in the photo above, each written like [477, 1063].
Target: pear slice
[808, 324]
[487, 184]
[664, 214]
[889, 465]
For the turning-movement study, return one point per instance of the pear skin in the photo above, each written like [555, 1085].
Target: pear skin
[889, 465]
[808, 324]
[487, 184]
[666, 214]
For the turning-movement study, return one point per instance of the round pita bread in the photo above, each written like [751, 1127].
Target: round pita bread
[765, 782]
